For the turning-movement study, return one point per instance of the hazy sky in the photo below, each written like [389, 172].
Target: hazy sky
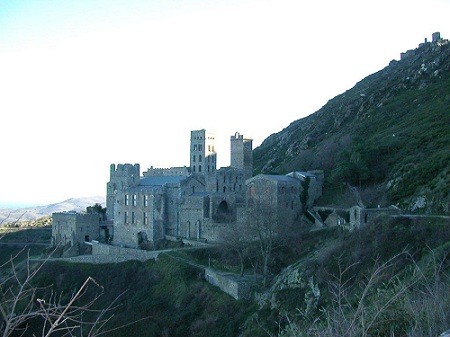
[87, 83]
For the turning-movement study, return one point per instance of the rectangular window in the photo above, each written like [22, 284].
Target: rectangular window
[145, 200]
[145, 218]
[134, 199]
[125, 217]
[132, 218]
[127, 199]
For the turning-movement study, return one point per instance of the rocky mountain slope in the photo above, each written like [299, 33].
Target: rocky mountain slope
[388, 133]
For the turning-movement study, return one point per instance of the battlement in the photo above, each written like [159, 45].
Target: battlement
[124, 169]
[170, 171]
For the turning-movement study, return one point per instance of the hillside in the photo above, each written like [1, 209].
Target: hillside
[389, 134]
[8, 215]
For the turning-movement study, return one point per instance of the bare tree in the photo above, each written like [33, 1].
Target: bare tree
[263, 226]
[22, 302]
[235, 237]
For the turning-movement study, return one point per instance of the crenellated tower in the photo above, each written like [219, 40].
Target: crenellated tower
[241, 156]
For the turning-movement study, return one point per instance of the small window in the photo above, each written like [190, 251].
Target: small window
[145, 218]
[127, 199]
[199, 168]
[134, 199]
[199, 157]
[145, 200]
[132, 217]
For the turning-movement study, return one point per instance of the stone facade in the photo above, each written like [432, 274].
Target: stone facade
[360, 216]
[72, 228]
[186, 202]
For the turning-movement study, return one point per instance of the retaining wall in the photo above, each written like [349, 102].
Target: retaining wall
[229, 283]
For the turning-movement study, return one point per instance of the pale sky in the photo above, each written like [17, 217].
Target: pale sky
[87, 83]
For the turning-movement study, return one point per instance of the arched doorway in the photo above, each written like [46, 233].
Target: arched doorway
[223, 213]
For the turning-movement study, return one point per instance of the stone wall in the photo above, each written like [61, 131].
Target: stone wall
[123, 253]
[229, 283]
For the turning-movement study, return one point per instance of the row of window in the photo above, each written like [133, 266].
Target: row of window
[130, 217]
[210, 168]
[134, 200]
[199, 147]
[208, 158]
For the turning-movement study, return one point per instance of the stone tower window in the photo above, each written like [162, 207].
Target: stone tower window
[145, 218]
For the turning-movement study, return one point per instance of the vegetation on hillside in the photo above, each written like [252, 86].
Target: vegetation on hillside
[390, 129]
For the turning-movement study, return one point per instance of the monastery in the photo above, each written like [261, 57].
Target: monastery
[188, 202]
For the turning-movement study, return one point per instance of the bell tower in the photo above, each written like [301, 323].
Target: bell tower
[203, 156]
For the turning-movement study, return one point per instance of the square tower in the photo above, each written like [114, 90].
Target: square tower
[203, 156]
[241, 155]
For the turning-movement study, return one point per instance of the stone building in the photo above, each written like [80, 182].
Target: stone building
[72, 228]
[195, 202]
[184, 202]
[360, 216]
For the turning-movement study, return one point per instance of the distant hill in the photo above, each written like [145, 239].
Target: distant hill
[389, 135]
[8, 215]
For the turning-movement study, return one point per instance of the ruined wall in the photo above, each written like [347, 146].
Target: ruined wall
[360, 216]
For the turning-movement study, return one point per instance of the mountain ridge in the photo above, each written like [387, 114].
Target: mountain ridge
[11, 214]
